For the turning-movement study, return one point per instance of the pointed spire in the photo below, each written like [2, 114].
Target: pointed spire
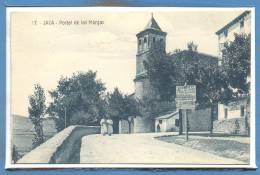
[152, 24]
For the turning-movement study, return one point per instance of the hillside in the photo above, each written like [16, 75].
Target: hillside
[22, 132]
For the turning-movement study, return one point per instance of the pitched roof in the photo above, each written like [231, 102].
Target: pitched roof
[234, 21]
[152, 24]
[167, 115]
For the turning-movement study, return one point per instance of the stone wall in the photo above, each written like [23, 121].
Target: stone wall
[143, 125]
[230, 126]
[61, 147]
[171, 125]
[123, 127]
[233, 109]
[199, 120]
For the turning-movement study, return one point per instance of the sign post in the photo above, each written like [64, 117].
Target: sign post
[185, 99]
[187, 124]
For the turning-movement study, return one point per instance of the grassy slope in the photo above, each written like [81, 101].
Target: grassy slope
[221, 147]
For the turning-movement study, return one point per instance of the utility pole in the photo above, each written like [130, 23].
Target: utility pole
[180, 121]
[187, 124]
[65, 113]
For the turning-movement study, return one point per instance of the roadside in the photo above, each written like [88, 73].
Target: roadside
[234, 147]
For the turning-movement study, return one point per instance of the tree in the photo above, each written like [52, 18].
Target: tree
[212, 83]
[15, 154]
[121, 106]
[192, 46]
[184, 67]
[161, 72]
[236, 63]
[36, 113]
[210, 80]
[165, 72]
[131, 110]
[217, 84]
[116, 107]
[77, 100]
[151, 107]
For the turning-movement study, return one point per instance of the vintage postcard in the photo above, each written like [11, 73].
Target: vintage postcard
[130, 87]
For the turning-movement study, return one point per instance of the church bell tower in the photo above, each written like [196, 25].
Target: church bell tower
[146, 39]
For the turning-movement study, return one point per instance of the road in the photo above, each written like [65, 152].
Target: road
[142, 148]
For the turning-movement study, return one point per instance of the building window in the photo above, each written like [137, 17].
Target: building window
[226, 33]
[221, 46]
[161, 40]
[242, 24]
[226, 113]
[160, 121]
[153, 39]
[242, 111]
[177, 122]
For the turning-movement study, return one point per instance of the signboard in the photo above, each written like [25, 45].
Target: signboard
[188, 91]
[185, 97]
[185, 104]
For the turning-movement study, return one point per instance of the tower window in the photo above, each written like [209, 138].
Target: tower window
[139, 42]
[145, 40]
[161, 40]
[153, 39]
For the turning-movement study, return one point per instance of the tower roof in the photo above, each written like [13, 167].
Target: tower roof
[152, 24]
[152, 27]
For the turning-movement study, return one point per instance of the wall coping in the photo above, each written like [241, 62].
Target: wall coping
[44, 152]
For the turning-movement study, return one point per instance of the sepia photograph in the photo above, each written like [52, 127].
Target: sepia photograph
[130, 87]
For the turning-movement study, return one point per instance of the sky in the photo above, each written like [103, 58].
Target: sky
[43, 53]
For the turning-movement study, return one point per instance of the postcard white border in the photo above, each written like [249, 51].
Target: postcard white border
[9, 165]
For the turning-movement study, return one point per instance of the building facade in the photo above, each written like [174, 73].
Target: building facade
[234, 116]
[167, 123]
[239, 25]
[234, 109]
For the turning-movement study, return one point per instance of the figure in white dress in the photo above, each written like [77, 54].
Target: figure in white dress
[109, 126]
[103, 126]
[106, 125]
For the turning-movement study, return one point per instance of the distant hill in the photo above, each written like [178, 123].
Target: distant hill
[24, 124]
[21, 123]
[22, 132]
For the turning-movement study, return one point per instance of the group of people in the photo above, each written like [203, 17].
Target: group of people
[106, 126]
